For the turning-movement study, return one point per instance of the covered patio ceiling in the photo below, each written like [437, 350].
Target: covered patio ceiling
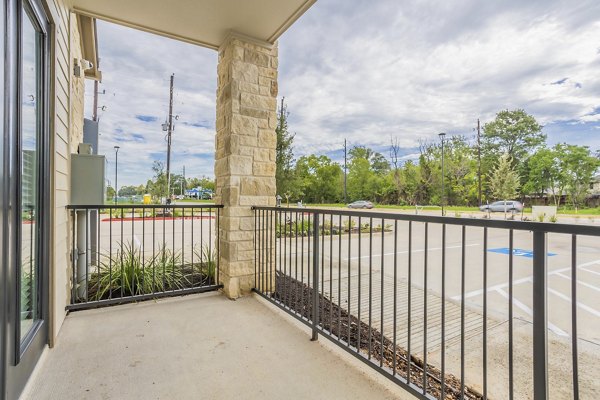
[203, 22]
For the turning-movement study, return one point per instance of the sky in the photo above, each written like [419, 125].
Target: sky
[365, 71]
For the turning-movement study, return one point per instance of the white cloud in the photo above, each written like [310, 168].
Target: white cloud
[366, 71]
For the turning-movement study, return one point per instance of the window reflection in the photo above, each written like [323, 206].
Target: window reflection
[30, 127]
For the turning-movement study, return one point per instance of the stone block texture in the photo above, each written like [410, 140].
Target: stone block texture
[245, 153]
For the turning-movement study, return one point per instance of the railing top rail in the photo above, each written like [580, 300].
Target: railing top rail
[140, 206]
[548, 227]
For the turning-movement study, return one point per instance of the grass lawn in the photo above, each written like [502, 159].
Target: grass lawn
[194, 201]
[562, 210]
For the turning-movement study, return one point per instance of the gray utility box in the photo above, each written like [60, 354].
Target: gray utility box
[87, 179]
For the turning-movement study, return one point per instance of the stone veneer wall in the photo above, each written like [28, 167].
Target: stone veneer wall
[245, 152]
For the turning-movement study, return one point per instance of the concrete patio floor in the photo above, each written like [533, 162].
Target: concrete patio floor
[198, 346]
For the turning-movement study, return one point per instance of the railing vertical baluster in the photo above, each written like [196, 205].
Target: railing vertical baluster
[358, 340]
[443, 354]
[143, 250]
[370, 282]
[395, 294]
[331, 274]
[153, 250]
[382, 294]
[340, 278]
[284, 266]
[291, 288]
[218, 261]
[192, 244]
[87, 259]
[183, 239]
[74, 256]
[122, 214]
[510, 315]
[485, 282]
[462, 311]
[202, 239]
[409, 295]
[255, 240]
[296, 264]
[315, 290]
[164, 247]
[349, 281]
[302, 269]
[210, 240]
[574, 352]
[110, 255]
[540, 318]
[265, 266]
[173, 246]
[278, 214]
[133, 288]
[322, 264]
[425, 260]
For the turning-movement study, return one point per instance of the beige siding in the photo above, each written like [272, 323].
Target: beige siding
[67, 132]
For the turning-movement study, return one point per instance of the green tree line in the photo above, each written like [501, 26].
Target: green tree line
[157, 186]
[511, 159]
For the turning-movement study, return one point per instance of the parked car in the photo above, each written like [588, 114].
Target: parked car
[361, 204]
[501, 206]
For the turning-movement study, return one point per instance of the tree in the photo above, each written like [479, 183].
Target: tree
[377, 161]
[284, 157]
[395, 161]
[577, 166]
[159, 184]
[110, 193]
[319, 179]
[128, 191]
[504, 181]
[513, 132]
[544, 174]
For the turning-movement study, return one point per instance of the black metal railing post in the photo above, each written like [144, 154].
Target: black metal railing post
[540, 317]
[315, 288]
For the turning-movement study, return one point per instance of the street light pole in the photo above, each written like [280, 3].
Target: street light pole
[116, 172]
[442, 136]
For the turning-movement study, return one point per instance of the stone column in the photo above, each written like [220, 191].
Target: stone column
[245, 152]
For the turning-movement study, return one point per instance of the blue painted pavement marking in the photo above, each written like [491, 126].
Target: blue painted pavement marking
[517, 252]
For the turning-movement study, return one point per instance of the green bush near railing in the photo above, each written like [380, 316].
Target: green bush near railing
[127, 273]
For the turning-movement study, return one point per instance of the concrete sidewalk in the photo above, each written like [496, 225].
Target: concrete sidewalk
[198, 346]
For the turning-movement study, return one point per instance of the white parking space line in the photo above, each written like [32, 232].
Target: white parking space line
[478, 292]
[529, 312]
[590, 271]
[580, 305]
[414, 251]
[582, 283]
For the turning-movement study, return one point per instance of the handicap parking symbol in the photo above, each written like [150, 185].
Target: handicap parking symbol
[517, 252]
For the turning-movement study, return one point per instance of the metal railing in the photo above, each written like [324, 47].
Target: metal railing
[445, 307]
[125, 253]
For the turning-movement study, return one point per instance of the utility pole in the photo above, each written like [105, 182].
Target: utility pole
[169, 133]
[479, 160]
[184, 183]
[345, 171]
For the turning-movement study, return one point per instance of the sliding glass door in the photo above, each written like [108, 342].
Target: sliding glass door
[26, 191]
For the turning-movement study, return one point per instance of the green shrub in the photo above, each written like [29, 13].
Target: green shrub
[118, 213]
[541, 217]
[208, 261]
[125, 271]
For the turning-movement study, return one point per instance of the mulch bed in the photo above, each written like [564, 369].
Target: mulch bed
[298, 297]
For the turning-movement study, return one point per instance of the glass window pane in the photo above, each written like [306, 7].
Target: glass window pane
[30, 127]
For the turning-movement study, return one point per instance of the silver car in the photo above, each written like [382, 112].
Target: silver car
[502, 206]
[361, 204]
